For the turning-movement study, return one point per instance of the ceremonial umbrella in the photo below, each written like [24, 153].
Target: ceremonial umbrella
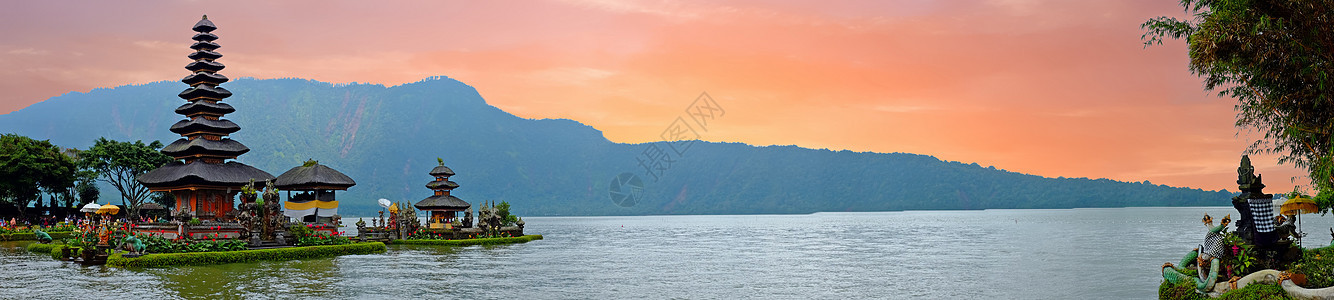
[1298, 205]
[90, 208]
[109, 209]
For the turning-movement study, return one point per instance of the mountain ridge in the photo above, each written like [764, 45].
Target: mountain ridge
[387, 138]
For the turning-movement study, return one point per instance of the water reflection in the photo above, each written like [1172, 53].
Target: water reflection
[1004, 254]
[281, 279]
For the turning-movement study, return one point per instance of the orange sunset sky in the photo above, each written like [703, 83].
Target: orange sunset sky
[1052, 88]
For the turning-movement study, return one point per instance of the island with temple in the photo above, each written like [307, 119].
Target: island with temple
[207, 224]
[443, 226]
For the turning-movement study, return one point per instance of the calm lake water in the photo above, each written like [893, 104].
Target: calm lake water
[1010, 254]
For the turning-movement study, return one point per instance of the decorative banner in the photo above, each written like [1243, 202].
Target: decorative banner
[297, 210]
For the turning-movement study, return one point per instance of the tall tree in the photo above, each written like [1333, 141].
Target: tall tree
[1276, 58]
[119, 163]
[29, 166]
[84, 189]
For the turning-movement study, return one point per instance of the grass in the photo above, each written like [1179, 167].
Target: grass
[213, 258]
[471, 242]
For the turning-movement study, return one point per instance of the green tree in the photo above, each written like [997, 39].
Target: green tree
[1275, 58]
[503, 210]
[28, 167]
[82, 190]
[119, 163]
[86, 189]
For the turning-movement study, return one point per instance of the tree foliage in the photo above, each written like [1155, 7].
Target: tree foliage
[120, 163]
[29, 166]
[1274, 57]
[83, 188]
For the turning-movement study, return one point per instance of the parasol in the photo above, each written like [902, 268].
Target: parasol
[109, 209]
[1298, 205]
[90, 208]
[385, 203]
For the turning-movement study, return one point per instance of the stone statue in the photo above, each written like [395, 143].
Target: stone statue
[249, 218]
[133, 244]
[467, 218]
[1245, 179]
[1256, 223]
[271, 218]
[482, 215]
[1246, 172]
[42, 236]
[1206, 259]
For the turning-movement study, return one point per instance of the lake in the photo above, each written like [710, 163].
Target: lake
[1112, 253]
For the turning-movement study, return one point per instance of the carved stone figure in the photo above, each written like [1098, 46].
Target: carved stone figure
[271, 217]
[133, 244]
[42, 237]
[467, 218]
[1256, 222]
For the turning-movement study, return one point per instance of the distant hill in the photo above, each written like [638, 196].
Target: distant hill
[388, 138]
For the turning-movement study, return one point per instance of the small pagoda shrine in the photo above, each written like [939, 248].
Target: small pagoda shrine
[444, 207]
[315, 184]
[202, 179]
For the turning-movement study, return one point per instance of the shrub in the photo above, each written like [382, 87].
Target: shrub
[60, 250]
[41, 248]
[1256, 292]
[1186, 290]
[309, 237]
[1181, 290]
[210, 258]
[157, 244]
[1318, 265]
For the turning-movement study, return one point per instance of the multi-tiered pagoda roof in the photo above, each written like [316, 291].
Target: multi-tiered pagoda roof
[204, 148]
[442, 200]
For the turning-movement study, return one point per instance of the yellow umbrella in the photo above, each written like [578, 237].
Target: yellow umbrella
[108, 209]
[1298, 205]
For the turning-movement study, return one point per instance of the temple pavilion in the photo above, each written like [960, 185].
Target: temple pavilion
[315, 184]
[444, 207]
[204, 178]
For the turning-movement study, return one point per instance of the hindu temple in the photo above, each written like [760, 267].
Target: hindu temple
[443, 207]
